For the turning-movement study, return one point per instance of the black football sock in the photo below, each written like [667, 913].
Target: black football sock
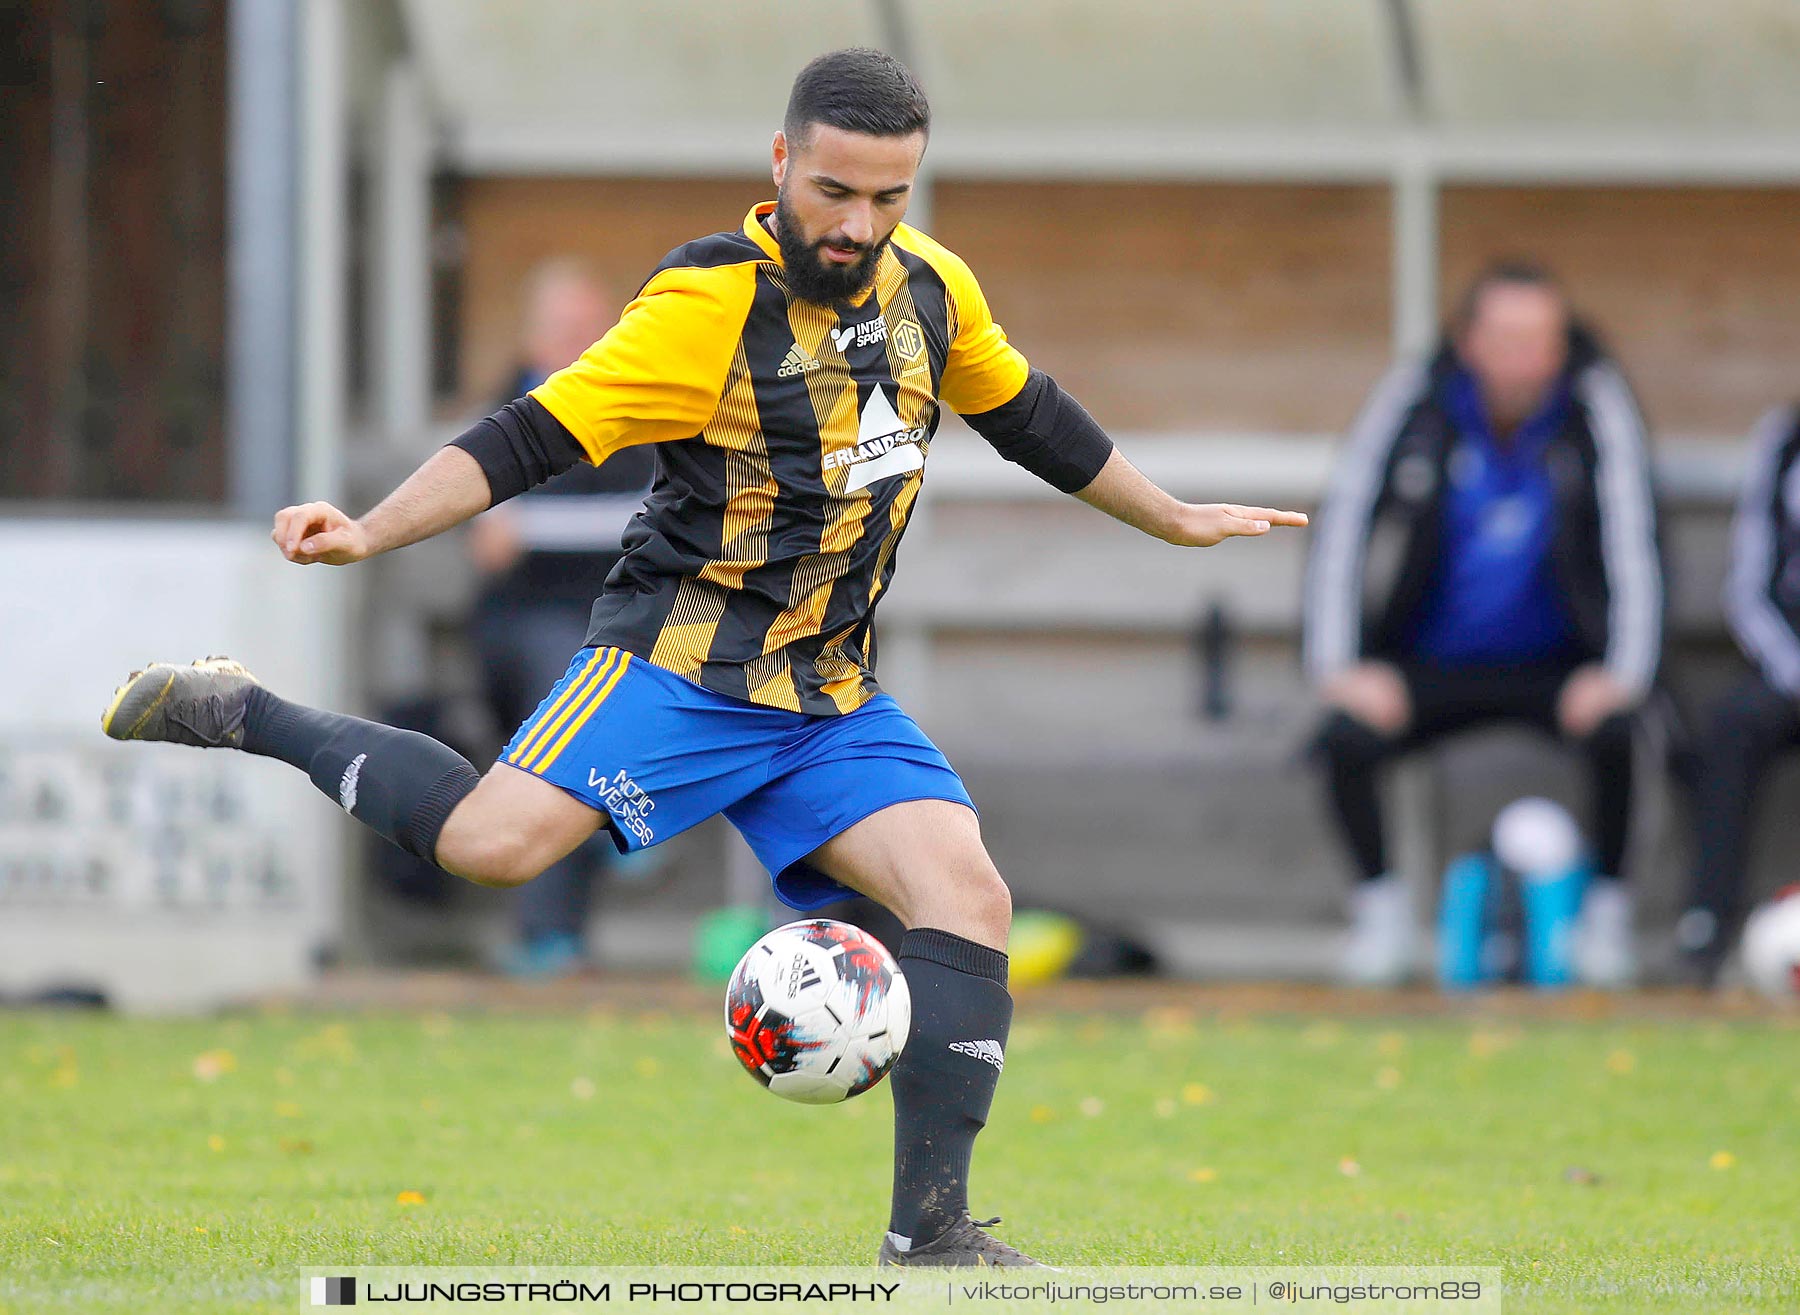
[399, 783]
[945, 1080]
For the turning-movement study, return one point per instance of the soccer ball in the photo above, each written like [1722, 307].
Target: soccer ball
[1536, 837]
[1772, 946]
[817, 1011]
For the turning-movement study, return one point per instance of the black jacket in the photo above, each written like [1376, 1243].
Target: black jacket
[571, 527]
[1377, 551]
[1762, 597]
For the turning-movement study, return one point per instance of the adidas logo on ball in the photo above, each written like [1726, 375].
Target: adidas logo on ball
[817, 1011]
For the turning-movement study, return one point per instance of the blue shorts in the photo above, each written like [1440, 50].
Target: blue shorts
[657, 754]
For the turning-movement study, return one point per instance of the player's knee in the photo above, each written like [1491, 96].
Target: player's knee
[996, 895]
[494, 857]
[506, 875]
[969, 899]
[989, 902]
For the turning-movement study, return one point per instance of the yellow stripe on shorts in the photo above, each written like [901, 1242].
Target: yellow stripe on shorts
[582, 717]
[591, 679]
[532, 760]
[571, 692]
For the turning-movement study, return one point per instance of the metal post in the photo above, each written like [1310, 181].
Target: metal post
[904, 641]
[264, 162]
[1415, 253]
[321, 405]
[904, 644]
[324, 223]
[400, 286]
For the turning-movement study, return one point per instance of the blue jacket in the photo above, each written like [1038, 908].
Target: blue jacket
[1376, 553]
[1495, 597]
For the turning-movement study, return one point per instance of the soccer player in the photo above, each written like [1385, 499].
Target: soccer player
[791, 374]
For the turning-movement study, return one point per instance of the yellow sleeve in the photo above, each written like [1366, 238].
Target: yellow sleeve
[984, 370]
[658, 373]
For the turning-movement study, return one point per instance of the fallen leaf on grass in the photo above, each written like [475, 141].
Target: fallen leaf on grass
[211, 1065]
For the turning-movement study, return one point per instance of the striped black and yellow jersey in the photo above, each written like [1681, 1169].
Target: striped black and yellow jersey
[792, 441]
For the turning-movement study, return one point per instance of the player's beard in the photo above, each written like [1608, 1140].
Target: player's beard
[809, 275]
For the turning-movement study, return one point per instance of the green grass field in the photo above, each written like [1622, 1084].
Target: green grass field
[196, 1166]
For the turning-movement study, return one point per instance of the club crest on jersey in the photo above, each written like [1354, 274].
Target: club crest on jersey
[909, 339]
[884, 446]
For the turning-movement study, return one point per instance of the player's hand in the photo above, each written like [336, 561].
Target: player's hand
[1589, 696]
[317, 532]
[1201, 525]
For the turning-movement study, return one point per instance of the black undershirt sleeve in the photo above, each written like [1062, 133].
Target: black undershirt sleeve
[519, 447]
[1048, 432]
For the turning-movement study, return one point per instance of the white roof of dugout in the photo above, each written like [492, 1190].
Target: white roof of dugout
[1138, 87]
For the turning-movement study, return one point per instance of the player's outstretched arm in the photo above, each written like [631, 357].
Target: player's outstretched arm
[444, 492]
[1123, 492]
[1050, 434]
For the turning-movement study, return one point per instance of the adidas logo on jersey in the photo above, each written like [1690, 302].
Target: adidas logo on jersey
[989, 1051]
[796, 362]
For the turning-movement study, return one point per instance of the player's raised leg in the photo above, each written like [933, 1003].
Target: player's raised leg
[925, 861]
[500, 830]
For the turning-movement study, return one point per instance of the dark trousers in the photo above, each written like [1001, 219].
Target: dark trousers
[1445, 701]
[1750, 726]
[524, 649]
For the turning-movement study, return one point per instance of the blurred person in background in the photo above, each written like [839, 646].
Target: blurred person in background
[1487, 552]
[1759, 717]
[543, 558]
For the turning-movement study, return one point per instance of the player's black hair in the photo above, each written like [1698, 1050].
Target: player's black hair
[1507, 271]
[857, 90]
